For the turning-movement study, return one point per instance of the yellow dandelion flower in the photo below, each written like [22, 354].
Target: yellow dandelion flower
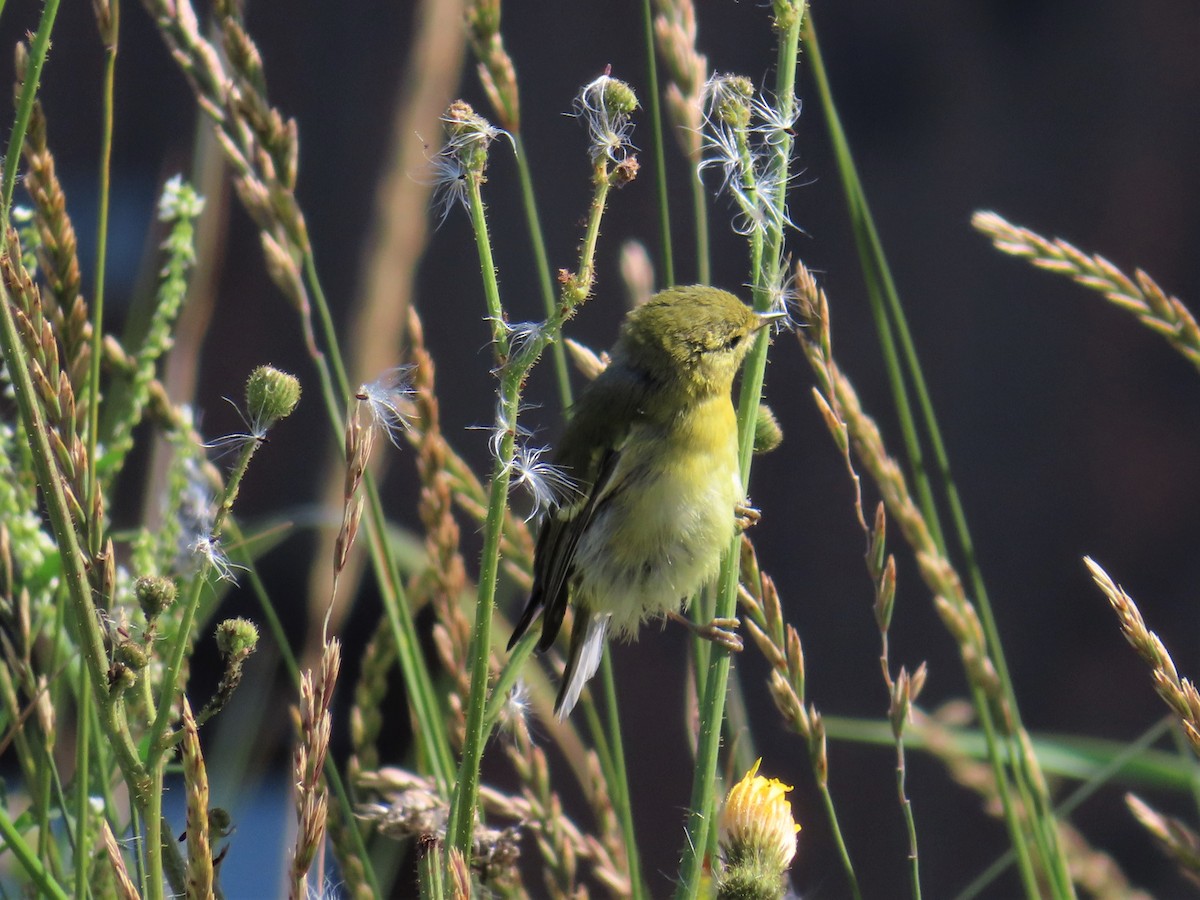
[758, 837]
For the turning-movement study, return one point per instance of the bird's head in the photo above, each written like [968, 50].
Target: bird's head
[694, 337]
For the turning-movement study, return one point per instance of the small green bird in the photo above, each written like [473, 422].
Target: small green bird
[652, 449]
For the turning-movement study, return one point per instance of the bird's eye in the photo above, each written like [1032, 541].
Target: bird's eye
[735, 341]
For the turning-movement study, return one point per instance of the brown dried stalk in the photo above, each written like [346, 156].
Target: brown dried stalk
[314, 723]
[1179, 694]
[1140, 295]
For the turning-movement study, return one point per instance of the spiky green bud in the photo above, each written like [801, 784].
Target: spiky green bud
[155, 593]
[131, 655]
[271, 395]
[767, 433]
[237, 637]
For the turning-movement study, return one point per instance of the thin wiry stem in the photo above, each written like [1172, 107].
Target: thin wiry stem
[558, 352]
[96, 528]
[712, 712]
[461, 827]
[889, 314]
[14, 841]
[33, 76]
[660, 159]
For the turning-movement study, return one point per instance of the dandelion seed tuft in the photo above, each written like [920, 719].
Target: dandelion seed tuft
[728, 100]
[514, 714]
[463, 156]
[549, 485]
[389, 401]
[606, 105]
[209, 552]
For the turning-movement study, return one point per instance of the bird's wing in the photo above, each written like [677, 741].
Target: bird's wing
[589, 452]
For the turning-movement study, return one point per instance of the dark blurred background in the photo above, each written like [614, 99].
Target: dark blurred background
[1071, 429]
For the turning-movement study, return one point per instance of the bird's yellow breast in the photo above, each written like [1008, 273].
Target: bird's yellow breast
[665, 517]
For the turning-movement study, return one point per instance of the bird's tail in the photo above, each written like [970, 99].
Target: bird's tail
[587, 647]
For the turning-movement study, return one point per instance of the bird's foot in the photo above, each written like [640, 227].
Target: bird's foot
[722, 632]
[745, 516]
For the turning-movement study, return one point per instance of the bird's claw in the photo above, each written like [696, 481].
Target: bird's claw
[745, 516]
[723, 632]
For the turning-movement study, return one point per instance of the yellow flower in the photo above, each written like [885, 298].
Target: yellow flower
[758, 833]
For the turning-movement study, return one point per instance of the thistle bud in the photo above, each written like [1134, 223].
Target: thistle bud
[155, 594]
[271, 395]
[237, 638]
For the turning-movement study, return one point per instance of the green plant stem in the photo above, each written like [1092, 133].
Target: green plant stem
[183, 636]
[618, 786]
[153, 888]
[702, 806]
[881, 289]
[562, 374]
[660, 158]
[293, 667]
[83, 725]
[910, 823]
[33, 76]
[95, 528]
[431, 725]
[839, 841]
[74, 571]
[461, 825]
[700, 214]
[14, 842]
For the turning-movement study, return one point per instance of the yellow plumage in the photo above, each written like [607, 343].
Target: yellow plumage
[652, 447]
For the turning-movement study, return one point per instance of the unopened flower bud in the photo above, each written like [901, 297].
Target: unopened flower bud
[271, 395]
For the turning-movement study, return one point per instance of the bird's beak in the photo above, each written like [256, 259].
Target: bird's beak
[766, 318]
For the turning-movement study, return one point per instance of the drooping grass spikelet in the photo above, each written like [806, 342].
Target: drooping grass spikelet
[261, 146]
[53, 389]
[195, 783]
[687, 70]
[1179, 694]
[1173, 836]
[1140, 295]
[496, 70]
